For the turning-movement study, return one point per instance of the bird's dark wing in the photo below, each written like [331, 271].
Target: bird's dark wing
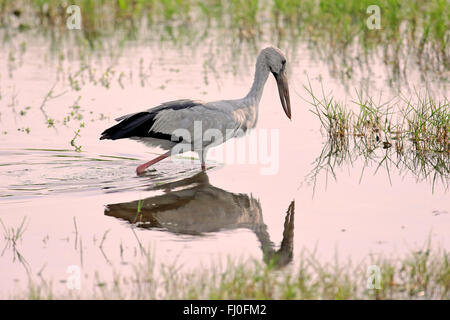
[140, 124]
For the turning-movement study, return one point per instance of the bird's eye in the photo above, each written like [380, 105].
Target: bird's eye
[283, 62]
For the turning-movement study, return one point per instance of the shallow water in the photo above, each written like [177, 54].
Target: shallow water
[79, 206]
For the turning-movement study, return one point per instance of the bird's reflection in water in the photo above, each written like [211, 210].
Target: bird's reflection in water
[193, 206]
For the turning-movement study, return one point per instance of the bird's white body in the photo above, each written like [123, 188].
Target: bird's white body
[231, 118]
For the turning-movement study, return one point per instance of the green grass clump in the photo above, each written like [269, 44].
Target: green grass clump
[425, 123]
[428, 123]
[408, 134]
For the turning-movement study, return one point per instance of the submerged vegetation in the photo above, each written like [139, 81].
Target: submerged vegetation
[12, 237]
[404, 133]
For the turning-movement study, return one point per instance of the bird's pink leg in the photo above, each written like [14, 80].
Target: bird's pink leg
[140, 170]
[202, 156]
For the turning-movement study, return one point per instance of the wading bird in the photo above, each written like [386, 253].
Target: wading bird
[175, 123]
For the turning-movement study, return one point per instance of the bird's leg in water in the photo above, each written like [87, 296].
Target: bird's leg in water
[140, 170]
[202, 159]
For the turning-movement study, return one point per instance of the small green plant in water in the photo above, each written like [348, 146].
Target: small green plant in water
[73, 141]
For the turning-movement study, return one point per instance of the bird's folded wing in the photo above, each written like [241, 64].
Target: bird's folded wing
[182, 118]
[193, 123]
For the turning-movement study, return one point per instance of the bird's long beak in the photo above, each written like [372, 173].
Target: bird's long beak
[283, 90]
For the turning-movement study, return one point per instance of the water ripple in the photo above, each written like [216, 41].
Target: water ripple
[28, 173]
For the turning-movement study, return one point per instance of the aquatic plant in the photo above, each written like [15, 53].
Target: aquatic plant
[406, 134]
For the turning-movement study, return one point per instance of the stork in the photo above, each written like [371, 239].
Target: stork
[161, 126]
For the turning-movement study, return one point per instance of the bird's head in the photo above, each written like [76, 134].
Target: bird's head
[276, 62]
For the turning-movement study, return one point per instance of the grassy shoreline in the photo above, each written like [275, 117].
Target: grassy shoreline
[421, 274]
[336, 30]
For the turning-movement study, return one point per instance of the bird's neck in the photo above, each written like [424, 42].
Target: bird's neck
[261, 74]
